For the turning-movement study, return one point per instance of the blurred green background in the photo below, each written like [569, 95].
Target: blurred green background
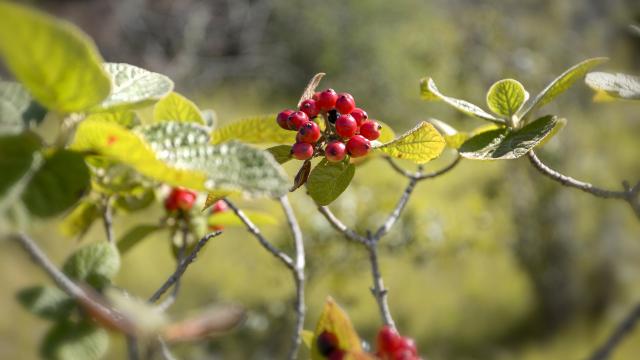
[491, 261]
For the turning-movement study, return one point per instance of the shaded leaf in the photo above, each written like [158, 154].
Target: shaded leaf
[301, 176]
[46, 302]
[135, 235]
[175, 107]
[55, 60]
[505, 97]
[335, 321]
[621, 86]
[430, 92]
[420, 144]
[71, 341]
[328, 180]
[80, 219]
[17, 109]
[17, 154]
[282, 153]
[255, 130]
[95, 264]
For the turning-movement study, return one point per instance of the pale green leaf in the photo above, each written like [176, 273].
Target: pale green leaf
[175, 107]
[135, 235]
[72, 341]
[621, 86]
[17, 109]
[386, 133]
[255, 130]
[95, 264]
[54, 59]
[335, 321]
[506, 96]
[328, 180]
[126, 118]
[80, 219]
[420, 144]
[46, 302]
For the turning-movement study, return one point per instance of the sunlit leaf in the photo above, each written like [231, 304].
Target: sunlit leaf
[335, 321]
[80, 219]
[255, 130]
[386, 133]
[420, 144]
[620, 86]
[328, 180]
[228, 218]
[505, 97]
[175, 107]
[452, 137]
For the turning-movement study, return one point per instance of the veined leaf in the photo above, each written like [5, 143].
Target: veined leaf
[17, 153]
[95, 263]
[71, 341]
[500, 144]
[46, 302]
[452, 137]
[17, 108]
[506, 97]
[255, 130]
[621, 86]
[386, 133]
[54, 59]
[559, 85]
[175, 107]
[335, 321]
[420, 144]
[430, 92]
[328, 180]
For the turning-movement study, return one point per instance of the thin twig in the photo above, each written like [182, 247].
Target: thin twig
[182, 266]
[107, 219]
[378, 290]
[164, 350]
[423, 176]
[166, 304]
[340, 227]
[624, 328]
[253, 229]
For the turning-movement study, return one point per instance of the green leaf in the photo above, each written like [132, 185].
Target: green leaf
[559, 85]
[503, 143]
[335, 321]
[59, 183]
[452, 137]
[175, 107]
[620, 86]
[139, 198]
[430, 92]
[180, 155]
[17, 108]
[55, 60]
[420, 144]
[80, 219]
[386, 133]
[255, 130]
[133, 87]
[506, 97]
[328, 180]
[126, 118]
[46, 302]
[282, 153]
[228, 218]
[95, 264]
[71, 341]
[135, 235]
[17, 154]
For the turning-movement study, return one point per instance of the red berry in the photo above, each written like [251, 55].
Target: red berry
[388, 340]
[346, 126]
[370, 129]
[219, 206]
[316, 96]
[327, 100]
[327, 343]
[360, 115]
[308, 133]
[282, 118]
[216, 227]
[302, 151]
[345, 103]
[408, 344]
[310, 108]
[180, 199]
[402, 354]
[297, 119]
[335, 151]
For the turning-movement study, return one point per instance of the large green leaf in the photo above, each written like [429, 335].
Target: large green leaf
[17, 154]
[328, 180]
[430, 92]
[499, 144]
[95, 264]
[17, 109]
[59, 183]
[133, 87]
[420, 144]
[506, 96]
[55, 60]
[72, 341]
[621, 86]
[255, 130]
[135, 235]
[179, 154]
[46, 302]
[559, 85]
[452, 137]
[175, 107]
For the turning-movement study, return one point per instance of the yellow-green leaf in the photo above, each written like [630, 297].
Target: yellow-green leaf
[175, 107]
[335, 321]
[80, 219]
[420, 144]
[506, 96]
[228, 218]
[386, 133]
[452, 137]
[255, 130]
[55, 60]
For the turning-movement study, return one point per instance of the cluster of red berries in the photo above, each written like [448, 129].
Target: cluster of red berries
[180, 199]
[347, 128]
[390, 346]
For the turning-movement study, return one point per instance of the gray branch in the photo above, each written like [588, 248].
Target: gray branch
[107, 218]
[624, 328]
[378, 290]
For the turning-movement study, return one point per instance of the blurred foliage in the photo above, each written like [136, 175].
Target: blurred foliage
[491, 261]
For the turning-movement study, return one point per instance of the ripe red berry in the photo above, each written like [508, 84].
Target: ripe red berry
[360, 115]
[388, 340]
[282, 118]
[219, 206]
[310, 108]
[327, 343]
[180, 199]
[302, 151]
[346, 126]
[408, 344]
[316, 96]
[345, 103]
[370, 129]
[309, 133]
[297, 119]
[335, 151]
[358, 146]
[402, 354]
[327, 100]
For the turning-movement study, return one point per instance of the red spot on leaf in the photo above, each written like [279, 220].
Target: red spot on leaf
[111, 139]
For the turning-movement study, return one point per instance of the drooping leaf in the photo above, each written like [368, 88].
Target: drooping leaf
[135, 235]
[58, 184]
[503, 143]
[17, 109]
[335, 321]
[420, 144]
[80, 219]
[46, 302]
[430, 92]
[302, 175]
[255, 130]
[55, 60]
[328, 180]
[228, 218]
[17, 154]
[282, 153]
[175, 107]
[95, 264]
[620, 86]
[559, 85]
[506, 97]
[74, 341]
[133, 87]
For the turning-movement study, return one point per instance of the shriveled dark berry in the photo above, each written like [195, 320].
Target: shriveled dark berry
[333, 116]
[327, 343]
